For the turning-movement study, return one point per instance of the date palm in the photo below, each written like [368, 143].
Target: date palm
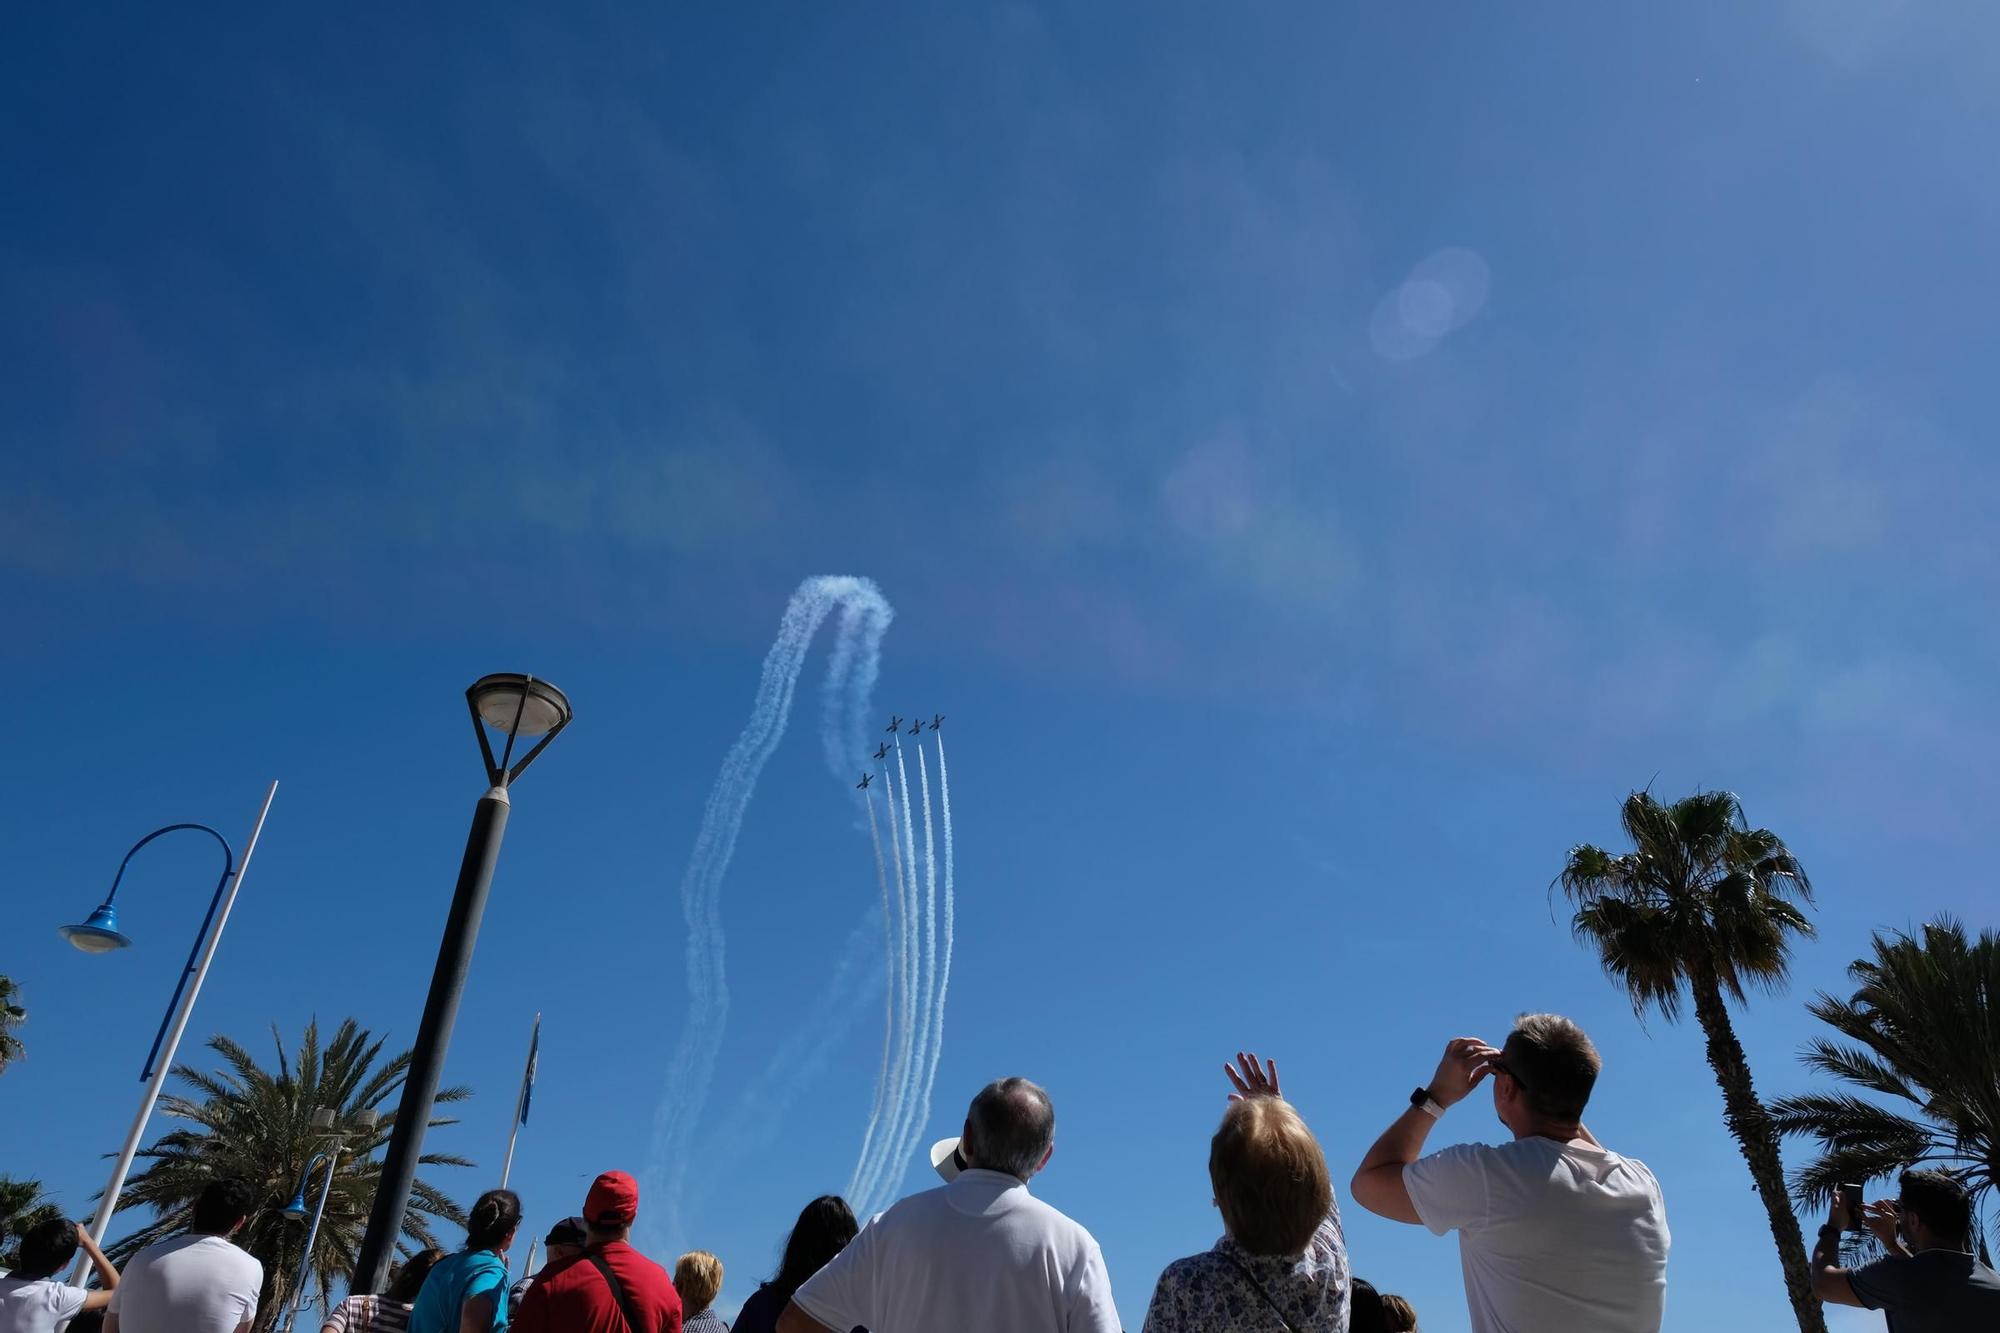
[12, 1015]
[247, 1121]
[23, 1206]
[1922, 1030]
[1701, 910]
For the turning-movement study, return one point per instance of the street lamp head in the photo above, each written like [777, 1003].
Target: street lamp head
[515, 706]
[296, 1209]
[99, 934]
[323, 1118]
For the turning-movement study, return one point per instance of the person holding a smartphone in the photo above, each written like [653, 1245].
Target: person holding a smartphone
[1927, 1280]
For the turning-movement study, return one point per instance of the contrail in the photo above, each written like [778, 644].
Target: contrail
[891, 939]
[850, 675]
[902, 850]
[950, 916]
[919, 1046]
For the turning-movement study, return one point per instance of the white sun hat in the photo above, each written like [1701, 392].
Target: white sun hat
[945, 1158]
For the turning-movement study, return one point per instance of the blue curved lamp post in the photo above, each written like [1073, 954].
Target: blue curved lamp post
[99, 933]
[296, 1210]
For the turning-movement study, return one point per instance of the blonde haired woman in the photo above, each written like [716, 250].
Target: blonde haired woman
[1281, 1262]
[698, 1280]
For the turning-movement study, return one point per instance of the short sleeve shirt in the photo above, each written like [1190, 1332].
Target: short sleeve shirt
[37, 1305]
[573, 1297]
[1938, 1291]
[188, 1284]
[1550, 1235]
[452, 1282]
[980, 1255]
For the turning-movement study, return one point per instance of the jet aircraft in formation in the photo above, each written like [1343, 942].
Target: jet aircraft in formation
[862, 785]
[895, 725]
[937, 722]
[882, 750]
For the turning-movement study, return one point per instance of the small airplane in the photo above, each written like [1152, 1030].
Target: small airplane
[917, 727]
[882, 750]
[862, 785]
[895, 725]
[937, 722]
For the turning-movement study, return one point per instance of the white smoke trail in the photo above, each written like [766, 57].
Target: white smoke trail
[866, 616]
[902, 844]
[905, 1127]
[950, 921]
[888, 995]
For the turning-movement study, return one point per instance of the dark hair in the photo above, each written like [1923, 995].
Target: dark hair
[46, 1248]
[1364, 1309]
[1010, 1126]
[1940, 1203]
[410, 1275]
[1554, 1063]
[223, 1203]
[493, 1218]
[824, 1227]
[1398, 1314]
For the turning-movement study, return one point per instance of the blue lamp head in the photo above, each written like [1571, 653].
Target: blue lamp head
[296, 1209]
[97, 935]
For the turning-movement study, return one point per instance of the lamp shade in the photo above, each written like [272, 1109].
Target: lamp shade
[500, 699]
[296, 1209]
[99, 934]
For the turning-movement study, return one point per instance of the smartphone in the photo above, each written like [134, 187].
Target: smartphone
[1851, 1195]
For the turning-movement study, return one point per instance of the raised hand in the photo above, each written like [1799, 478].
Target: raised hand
[1250, 1079]
[1880, 1218]
[1467, 1061]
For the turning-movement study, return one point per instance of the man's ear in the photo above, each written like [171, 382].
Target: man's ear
[1045, 1159]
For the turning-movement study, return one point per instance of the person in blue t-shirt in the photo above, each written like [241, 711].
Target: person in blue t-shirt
[468, 1290]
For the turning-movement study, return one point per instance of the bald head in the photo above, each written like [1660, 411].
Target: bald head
[1010, 1127]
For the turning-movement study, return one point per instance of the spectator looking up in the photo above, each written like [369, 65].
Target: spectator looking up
[979, 1255]
[609, 1287]
[1928, 1280]
[1554, 1230]
[1281, 1259]
[824, 1227]
[698, 1281]
[467, 1292]
[389, 1312]
[33, 1299]
[565, 1240]
[196, 1282]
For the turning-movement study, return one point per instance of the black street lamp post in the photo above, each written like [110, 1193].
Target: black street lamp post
[514, 706]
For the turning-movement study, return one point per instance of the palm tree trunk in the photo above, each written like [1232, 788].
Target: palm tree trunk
[1751, 1126]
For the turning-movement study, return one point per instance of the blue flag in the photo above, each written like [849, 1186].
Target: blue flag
[534, 1055]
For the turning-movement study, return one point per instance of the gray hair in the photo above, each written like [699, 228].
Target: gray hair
[1010, 1126]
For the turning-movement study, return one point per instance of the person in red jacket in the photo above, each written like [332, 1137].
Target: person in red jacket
[610, 1287]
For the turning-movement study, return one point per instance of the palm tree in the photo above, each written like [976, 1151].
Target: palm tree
[253, 1123]
[12, 1015]
[22, 1207]
[1925, 1032]
[1702, 907]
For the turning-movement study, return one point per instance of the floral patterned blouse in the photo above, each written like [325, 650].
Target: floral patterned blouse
[1208, 1293]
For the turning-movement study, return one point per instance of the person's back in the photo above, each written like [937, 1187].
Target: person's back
[198, 1282]
[1535, 1206]
[188, 1284]
[979, 1253]
[1927, 1279]
[575, 1296]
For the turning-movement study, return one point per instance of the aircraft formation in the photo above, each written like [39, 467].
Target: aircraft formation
[917, 728]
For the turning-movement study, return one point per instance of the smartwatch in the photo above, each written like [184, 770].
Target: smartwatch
[1429, 1105]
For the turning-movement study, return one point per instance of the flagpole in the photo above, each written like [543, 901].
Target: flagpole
[520, 1101]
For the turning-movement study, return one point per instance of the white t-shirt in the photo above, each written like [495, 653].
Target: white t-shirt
[39, 1305]
[980, 1255]
[188, 1284]
[1551, 1235]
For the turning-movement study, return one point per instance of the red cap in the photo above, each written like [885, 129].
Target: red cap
[613, 1198]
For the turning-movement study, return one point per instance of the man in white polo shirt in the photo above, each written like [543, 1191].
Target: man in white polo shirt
[979, 1255]
[198, 1281]
[1555, 1231]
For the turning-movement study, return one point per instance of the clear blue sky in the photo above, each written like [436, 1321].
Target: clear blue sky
[1322, 457]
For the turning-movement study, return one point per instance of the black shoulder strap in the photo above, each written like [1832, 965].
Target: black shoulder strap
[633, 1323]
[1259, 1288]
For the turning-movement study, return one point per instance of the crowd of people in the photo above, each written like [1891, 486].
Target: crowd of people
[1555, 1232]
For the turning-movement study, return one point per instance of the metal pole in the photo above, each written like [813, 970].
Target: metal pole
[312, 1234]
[528, 1265]
[109, 1203]
[413, 1114]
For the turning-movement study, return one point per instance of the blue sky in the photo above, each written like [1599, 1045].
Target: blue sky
[1321, 458]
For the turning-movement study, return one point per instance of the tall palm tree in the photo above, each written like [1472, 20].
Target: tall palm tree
[1923, 1028]
[1703, 907]
[12, 1015]
[22, 1207]
[246, 1121]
